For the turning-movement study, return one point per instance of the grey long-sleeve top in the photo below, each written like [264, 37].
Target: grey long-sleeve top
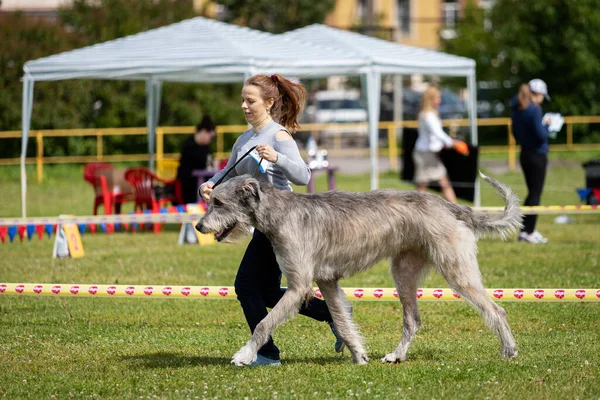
[290, 167]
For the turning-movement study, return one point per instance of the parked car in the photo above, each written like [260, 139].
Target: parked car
[452, 106]
[337, 106]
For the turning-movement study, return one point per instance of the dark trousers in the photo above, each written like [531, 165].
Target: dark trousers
[258, 286]
[534, 167]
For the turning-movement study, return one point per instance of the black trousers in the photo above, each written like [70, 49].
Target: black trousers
[258, 286]
[534, 167]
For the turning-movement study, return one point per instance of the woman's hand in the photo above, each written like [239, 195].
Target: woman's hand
[267, 152]
[205, 191]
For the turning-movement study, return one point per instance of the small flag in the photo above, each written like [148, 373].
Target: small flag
[12, 231]
[30, 231]
[40, 231]
[583, 193]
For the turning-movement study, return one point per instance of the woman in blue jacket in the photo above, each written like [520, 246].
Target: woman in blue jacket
[531, 132]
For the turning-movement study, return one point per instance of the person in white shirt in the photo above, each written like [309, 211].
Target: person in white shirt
[432, 139]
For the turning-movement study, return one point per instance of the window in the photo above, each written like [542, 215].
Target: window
[450, 13]
[404, 16]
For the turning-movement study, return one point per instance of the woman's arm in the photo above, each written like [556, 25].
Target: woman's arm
[434, 125]
[230, 162]
[289, 160]
[540, 130]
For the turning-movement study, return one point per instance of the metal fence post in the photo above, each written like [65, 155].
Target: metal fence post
[512, 149]
[160, 147]
[39, 139]
[393, 147]
[99, 144]
[569, 136]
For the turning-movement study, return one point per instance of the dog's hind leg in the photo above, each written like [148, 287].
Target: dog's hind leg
[406, 269]
[285, 309]
[464, 277]
[332, 294]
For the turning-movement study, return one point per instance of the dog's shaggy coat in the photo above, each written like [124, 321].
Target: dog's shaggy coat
[328, 236]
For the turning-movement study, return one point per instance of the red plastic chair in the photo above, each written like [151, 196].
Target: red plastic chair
[97, 174]
[143, 182]
[93, 173]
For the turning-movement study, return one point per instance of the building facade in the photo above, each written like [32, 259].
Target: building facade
[412, 22]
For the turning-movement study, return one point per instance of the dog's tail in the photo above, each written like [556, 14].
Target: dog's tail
[501, 224]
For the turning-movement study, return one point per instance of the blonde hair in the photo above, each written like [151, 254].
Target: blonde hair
[427, 100]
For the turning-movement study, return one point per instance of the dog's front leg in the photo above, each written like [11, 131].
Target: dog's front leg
[286, 308]
[332, 294]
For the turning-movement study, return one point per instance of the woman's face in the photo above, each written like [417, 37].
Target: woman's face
[254, 106]
[537, 98]
[436, 100]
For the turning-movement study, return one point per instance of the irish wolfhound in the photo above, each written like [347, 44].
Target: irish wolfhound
[327, 236]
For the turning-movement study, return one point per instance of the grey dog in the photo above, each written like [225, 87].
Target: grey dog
[327, 236]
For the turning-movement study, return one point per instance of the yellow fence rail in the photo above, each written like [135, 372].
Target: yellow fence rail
[167, 162]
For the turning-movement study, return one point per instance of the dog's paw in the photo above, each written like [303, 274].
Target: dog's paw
[510, 352]
[245, 356]
[360, 359]
[391, 358]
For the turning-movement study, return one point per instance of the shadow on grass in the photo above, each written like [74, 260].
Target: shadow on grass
[174, 360]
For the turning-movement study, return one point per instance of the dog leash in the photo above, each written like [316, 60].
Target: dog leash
[236, 163]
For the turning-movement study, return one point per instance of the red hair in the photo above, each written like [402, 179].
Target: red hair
[289, 98]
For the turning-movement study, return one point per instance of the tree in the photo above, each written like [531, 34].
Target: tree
[556, 40]
[95, 103]
[277, 17]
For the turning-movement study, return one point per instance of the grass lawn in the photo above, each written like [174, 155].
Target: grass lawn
[143, 348]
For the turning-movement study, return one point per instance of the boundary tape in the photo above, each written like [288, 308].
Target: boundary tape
[225, 292]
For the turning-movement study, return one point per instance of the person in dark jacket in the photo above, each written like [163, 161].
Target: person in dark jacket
[195, 154]
[531, 132]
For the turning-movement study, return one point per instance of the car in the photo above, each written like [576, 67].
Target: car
[338, 106]
[451, 107]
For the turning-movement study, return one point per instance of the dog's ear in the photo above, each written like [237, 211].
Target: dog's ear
[251, 188]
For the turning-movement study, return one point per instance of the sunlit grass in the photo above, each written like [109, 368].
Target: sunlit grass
[143, 348]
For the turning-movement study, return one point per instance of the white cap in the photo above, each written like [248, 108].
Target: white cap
[539, 86]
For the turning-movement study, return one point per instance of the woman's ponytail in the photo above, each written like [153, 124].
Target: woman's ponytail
[289, 98]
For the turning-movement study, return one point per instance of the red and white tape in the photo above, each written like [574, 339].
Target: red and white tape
[224, 292]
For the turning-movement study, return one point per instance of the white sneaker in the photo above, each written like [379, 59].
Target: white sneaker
[539, 236]
[262, 360]
[532, 238]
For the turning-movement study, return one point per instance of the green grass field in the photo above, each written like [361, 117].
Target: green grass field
[142, 348]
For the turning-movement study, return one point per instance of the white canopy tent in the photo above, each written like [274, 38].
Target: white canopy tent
[385, 57]
[204, 50]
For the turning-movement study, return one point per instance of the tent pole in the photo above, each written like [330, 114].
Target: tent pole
[472, 110]
[373, 85]
[27, 106]
[398, 113]
[153, 89]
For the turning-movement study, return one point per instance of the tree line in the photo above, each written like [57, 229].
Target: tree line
[556, 40]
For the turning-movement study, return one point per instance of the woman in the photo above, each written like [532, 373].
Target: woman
[432, 139]
[258, 280]
[531, 132]
[195, 154]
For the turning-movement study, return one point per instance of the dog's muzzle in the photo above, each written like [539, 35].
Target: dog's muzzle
[200, 227]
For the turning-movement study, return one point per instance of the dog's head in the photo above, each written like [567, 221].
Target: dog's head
[232, 209]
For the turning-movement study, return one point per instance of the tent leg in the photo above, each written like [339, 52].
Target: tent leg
[27, 107]
[373, 90]
[472, 110]
[153, 90]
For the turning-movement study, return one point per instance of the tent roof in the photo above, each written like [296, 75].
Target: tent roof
[198, 49]
[389, 57]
